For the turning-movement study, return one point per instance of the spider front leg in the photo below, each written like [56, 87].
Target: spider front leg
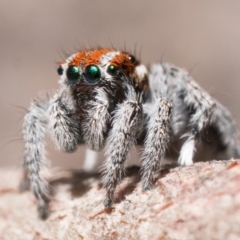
[95, 124]
[56, 116]
[34, 128]
[157, 139]
[127, 122]
[63, 126]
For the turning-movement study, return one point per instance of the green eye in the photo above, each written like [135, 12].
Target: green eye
[73, 74]
[112, 70]
[92, 74]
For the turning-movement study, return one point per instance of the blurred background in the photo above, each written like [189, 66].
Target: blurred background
[200, 36]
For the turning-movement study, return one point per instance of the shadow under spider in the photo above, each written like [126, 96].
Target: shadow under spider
[80, 181]
[133, 173]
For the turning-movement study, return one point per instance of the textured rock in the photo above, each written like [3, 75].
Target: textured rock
[201, 201]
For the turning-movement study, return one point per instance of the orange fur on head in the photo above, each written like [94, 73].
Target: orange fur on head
[123, 61]
[92, 57]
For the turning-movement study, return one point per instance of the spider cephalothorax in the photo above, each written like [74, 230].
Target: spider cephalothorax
[107, 98]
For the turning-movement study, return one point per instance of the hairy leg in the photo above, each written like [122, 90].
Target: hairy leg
[34, 128]
[157, 139]
[206, 112]
[63, 126]
[127, 122]
[97, 119]
[223, 121]
[201, 107]
[192, 105]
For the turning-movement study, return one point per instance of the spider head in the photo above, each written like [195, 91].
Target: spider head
[101, 67]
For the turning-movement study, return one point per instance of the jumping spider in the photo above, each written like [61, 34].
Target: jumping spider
[108, 98]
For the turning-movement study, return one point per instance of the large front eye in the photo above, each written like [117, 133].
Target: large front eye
[73, 74]
[92, 74]
[112, 70]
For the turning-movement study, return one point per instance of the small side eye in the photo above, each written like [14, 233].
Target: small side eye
[73, 74]
[132, 58]
[92, 74]
[60, 70]
[112, 70]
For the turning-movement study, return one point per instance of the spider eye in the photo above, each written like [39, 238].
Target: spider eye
[60, 70]
[132, 58]
[73, 73]
[92, 74]
[112, 70]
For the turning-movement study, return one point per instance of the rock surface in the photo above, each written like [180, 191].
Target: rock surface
[201, 201]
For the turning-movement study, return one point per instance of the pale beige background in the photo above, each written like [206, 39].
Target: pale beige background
[200, 35]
